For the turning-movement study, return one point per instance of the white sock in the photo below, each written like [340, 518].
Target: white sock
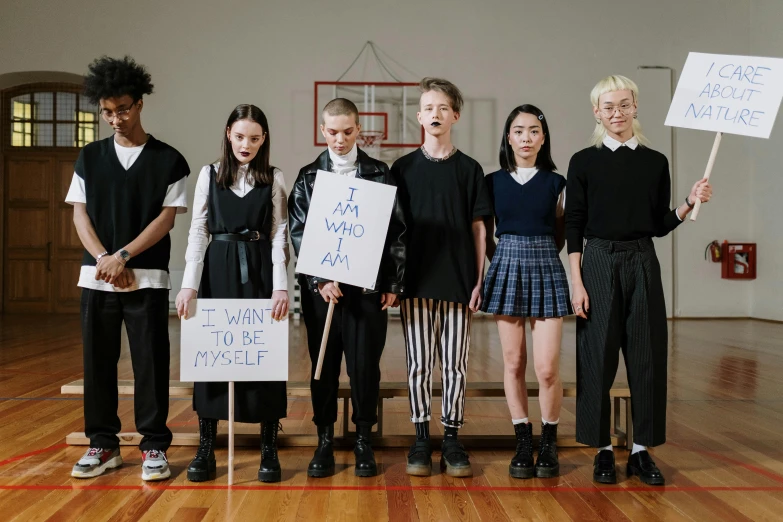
[637, 448]
[519, 421]
[544, 421]
[609, 447]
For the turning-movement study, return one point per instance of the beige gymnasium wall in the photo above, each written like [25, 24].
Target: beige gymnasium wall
[205, 57]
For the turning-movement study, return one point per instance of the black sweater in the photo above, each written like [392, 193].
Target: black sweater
[618, 195]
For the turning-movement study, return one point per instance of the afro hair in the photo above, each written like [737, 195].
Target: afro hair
[112, 78]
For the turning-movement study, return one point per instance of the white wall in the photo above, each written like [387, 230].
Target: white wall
[767, 190]
[205, 57]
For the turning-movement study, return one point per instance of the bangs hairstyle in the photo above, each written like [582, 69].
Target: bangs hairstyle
[113, 77]
[611, 84]
[259, 168]
[341, 107]
[544, 160]
[446, 87]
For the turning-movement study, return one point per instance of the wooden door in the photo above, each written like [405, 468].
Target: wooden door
[42, 250]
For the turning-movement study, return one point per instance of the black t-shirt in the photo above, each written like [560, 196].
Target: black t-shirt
[441, 199]
[122, 203]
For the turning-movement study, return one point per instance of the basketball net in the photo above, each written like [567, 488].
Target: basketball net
[370, 142]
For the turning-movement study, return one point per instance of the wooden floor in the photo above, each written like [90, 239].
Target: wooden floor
[723, 459]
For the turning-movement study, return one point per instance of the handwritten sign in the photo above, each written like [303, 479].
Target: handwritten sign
[345, 231]
[725, 93]
[233, 340]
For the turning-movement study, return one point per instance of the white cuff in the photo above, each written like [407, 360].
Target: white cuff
[192, 276]
[279, 277]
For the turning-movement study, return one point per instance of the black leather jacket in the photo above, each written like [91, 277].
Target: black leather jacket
[391, 275]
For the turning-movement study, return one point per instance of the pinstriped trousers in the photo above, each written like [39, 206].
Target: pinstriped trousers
[433, 327]
[627, 311]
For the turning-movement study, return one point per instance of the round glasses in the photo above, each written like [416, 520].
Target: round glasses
[122, 115]
[624, 108]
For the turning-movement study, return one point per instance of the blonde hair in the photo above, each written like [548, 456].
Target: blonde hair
[611, 84]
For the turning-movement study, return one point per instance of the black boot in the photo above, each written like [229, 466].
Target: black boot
[522, 464]
[453, 459]
[547, 465]
[270, 466]
[203, 466]
[365, 459]
[322, 464]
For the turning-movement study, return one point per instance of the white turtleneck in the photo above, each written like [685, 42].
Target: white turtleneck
[345, 165]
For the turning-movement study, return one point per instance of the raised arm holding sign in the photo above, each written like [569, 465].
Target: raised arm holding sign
[727, 94]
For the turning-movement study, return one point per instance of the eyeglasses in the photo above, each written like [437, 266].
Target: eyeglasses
[123, 115]
[625, 109]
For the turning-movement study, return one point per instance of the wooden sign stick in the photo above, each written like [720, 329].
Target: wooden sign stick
[707, 172]
[231, 433]
[325, 337]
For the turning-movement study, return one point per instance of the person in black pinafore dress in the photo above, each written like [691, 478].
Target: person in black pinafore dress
[243, 209]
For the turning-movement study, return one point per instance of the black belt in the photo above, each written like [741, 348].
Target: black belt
[637, 245]
[242, 238]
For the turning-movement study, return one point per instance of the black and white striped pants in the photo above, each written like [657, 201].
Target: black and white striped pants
[627, 311]
[441, 327]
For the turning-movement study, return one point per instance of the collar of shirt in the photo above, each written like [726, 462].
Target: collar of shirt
[613, 144]
[524, 174]
[344, 165]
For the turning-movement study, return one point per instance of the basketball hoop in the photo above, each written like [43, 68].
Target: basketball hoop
[370, 142]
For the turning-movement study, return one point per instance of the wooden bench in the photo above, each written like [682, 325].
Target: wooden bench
[620, 395]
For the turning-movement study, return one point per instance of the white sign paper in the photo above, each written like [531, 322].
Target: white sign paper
[345, 231]
[233, 340]
[726, 93]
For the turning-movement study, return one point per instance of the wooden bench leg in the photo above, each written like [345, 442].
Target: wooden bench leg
[618, 430]
[628, 424]
[346, 415]
[379, 429]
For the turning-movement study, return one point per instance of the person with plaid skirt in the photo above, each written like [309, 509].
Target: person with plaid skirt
[526, 280]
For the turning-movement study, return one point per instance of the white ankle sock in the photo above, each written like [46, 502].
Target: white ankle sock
[637, 448]
[544, 421]
[519, 421]
[609, 447]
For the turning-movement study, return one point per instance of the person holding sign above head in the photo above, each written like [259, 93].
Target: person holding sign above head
[527, 280]
[126, 192]
[446, 202]
[240, 202]
[618, 200]
[358, 327]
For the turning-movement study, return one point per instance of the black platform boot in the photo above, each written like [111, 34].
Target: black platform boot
[203, 466]
[322, 464]
[547, 465]
[365, 458]
[522, 463]
[270, 466]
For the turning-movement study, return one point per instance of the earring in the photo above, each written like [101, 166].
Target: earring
[597, 120]
[635, 116]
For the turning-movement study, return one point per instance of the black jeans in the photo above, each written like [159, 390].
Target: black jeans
[358, 330]
[146, 314]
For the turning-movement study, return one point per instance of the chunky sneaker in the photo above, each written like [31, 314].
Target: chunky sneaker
[154, 465]
[96, 461]
[454, 460]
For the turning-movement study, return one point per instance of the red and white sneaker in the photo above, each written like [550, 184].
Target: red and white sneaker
[154, 465]
[95, 462]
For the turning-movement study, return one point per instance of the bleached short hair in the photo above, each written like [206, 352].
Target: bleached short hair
[614, 83]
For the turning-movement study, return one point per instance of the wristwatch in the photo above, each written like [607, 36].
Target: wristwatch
[124, 255]
[688, 202]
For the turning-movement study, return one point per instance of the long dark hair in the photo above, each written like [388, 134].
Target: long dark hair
[259, 168]
[544, 159]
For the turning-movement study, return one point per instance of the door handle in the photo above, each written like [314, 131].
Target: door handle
[49, 256]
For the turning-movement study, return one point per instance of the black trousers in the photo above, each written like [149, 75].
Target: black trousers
[627, 311]
[146, 315]
[358, 330]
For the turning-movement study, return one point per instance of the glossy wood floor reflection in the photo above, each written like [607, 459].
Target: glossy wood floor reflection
[723, 461]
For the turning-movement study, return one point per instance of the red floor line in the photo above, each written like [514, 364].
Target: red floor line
[33, 453]
[750, 467]
[559, 488]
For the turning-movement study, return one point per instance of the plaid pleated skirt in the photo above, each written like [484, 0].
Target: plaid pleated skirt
[526, 279]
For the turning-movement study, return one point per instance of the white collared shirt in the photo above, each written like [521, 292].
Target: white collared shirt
[198, 237]
[613, 145]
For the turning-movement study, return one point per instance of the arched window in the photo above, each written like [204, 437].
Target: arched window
[49, 115]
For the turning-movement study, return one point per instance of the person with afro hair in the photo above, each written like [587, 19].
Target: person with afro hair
[126, 191]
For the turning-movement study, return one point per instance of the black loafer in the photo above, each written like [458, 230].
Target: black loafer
[642, 465]
[603, 468]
